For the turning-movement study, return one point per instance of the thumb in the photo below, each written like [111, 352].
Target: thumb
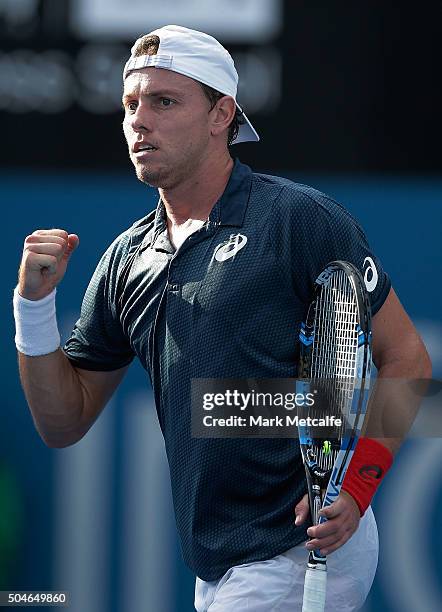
[334, 509]
[343, 503]
[73, 242]
[302, 510]
[330, 511]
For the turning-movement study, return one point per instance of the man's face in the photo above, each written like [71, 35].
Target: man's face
[166, 125]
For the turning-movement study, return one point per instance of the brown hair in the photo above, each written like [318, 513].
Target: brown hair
[149, 45]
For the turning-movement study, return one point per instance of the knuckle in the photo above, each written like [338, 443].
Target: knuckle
[31, 249]
[343, 540]
[31, 239]
[53, 233]
[351, 529]
[28, 262]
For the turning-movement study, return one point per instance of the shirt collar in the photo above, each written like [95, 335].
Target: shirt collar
[229, 210]
[232, 205]
[160, 222]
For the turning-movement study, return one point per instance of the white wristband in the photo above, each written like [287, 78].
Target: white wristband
[36, 331]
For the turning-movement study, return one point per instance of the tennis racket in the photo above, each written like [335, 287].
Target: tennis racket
[335, 360]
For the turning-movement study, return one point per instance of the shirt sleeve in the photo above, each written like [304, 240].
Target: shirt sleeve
[98, 341]
[314, 230]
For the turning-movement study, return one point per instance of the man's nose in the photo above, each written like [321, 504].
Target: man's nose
[141, 119]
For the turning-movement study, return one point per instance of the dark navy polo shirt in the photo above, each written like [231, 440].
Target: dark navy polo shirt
[227, 304]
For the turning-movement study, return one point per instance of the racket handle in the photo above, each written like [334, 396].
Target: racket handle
[314, 589]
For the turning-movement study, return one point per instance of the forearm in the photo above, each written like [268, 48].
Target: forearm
[55, 397]
[393, 407]
[397, 397]
[403, 368]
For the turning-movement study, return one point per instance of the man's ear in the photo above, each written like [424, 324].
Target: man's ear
[222, 115]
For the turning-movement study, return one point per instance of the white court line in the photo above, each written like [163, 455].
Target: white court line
[147, 534]
[82, 518]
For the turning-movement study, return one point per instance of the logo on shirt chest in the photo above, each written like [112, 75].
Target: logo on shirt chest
[228, 249]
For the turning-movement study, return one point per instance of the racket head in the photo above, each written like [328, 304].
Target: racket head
[339, 276]
[335, 338]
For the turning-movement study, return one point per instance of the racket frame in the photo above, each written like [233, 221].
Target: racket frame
[331, 479]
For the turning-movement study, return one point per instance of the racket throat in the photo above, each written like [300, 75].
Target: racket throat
[316, 503]
[315, 558]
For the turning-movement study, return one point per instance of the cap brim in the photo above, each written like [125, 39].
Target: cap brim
[247, 132]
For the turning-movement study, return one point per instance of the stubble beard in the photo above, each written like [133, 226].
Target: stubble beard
[152, 179]
[163, 178]
[157, 178]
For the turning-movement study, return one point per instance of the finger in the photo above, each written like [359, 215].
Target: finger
[51, 232]
[330, 543]
[49, 248]
[37, 239]
[35, 261]
[321, 543]
[324, 530]
[327, 539]
[302, 510]
[328, 550]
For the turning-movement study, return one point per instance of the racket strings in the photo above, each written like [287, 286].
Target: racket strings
[326, 459]
[335, 346]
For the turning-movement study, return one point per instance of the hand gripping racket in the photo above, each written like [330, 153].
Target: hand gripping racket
[335, 360]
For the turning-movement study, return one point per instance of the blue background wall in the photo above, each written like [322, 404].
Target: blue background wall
[96, 519]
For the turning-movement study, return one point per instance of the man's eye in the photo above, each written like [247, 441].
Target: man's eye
[166, 102]
[132, 106]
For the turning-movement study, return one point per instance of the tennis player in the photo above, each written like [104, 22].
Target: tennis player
[213, 284]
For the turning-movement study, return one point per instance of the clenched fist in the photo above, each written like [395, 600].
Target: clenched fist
[45, 258]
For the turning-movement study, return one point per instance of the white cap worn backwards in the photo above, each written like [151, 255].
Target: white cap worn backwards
[200, 57]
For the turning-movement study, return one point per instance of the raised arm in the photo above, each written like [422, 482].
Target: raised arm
[64, 400]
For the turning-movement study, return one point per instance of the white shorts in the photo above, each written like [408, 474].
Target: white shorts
[276, 585]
